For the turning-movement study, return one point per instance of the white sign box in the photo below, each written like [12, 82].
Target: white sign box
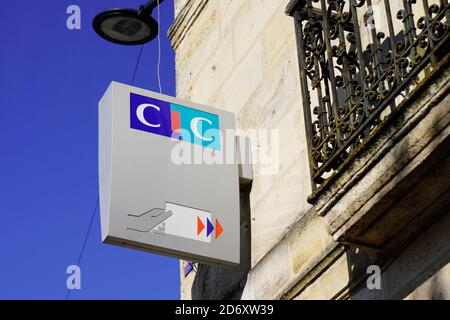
[167, 184]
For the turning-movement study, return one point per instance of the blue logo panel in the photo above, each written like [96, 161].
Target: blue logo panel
[172, 120]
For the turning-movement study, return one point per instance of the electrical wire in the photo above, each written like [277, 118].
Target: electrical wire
[85, 240]
[159, 49]
[137, 64]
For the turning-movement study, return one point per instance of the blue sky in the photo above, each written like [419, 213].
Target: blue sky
[51, 79]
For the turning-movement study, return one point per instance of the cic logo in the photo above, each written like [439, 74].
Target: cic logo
[174, 121]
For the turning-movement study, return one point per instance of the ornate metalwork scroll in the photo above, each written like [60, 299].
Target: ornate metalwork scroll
[354, 69]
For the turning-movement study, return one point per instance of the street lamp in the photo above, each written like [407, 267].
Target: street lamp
[128, 26]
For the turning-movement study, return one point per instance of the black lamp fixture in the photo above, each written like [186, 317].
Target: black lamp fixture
[128, 26]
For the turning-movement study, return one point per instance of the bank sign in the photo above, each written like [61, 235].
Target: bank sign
[154, 193]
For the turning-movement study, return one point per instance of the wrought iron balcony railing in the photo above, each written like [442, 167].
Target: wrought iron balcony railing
[357, 63]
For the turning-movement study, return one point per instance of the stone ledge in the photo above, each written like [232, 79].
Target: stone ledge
[184, 20]
[275, 277]
[314, 269]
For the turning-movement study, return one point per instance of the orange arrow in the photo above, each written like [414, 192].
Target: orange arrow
[200, 226]
[219, 229]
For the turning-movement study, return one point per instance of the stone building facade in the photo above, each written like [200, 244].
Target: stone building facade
[313, 228]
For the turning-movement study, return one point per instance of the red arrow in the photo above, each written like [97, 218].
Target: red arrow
[219, 229]
[200, 226]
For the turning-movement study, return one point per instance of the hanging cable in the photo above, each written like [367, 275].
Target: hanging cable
[85, 240]
[137, 64]
[159, 50]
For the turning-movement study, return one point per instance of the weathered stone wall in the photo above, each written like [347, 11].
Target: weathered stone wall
[242, 56]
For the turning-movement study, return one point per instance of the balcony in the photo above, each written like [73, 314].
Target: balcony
[374, 79]
[357, 78]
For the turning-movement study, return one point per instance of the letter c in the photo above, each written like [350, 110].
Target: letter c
[194, 128]
[140, 114]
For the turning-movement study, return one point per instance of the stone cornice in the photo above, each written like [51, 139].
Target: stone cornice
[184, 20]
